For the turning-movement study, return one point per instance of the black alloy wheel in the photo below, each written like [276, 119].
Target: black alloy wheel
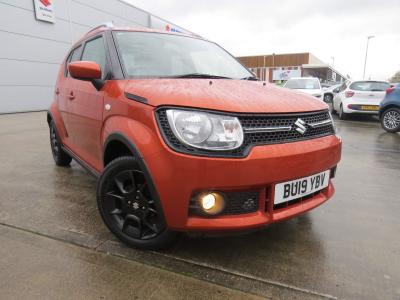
[61, 158]
[128, 207]
[390, 120]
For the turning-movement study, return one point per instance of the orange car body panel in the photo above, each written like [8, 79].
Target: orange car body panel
[224, 95]
[178, 176]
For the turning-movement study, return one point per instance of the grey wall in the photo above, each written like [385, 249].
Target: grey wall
[31, 50]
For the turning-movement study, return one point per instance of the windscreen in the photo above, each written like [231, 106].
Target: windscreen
[369, 86]
[147, 54]
[304, 84]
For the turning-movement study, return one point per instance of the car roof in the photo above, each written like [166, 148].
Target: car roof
[108, 27]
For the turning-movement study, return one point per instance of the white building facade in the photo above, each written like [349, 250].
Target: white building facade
[35, 36]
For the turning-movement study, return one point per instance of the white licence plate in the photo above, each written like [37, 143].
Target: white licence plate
[297, 188]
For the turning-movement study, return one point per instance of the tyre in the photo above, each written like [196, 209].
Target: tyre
[328, 98]
[61, 158]
[390, 120]
[128, 207]
[342, 114]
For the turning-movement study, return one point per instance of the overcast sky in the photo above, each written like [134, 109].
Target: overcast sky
[325, 28]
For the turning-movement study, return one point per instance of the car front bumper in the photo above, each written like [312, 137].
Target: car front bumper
[178, 177]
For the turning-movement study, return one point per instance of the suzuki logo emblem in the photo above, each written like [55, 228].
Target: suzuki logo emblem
[300, 124]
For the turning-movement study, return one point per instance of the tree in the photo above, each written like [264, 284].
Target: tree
[395, 77]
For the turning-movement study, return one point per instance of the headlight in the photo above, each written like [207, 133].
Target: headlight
[205, 130]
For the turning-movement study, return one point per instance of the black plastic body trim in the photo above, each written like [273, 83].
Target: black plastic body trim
[388, 105]
[118, 136]
[49, 117]
[136, 98]
[84, 165]
[116, 69]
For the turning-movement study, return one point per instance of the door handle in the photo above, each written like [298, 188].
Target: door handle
[57, 91]
[71, 96]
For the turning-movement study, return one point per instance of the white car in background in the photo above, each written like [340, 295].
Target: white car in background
[359, 97]
[308, 85]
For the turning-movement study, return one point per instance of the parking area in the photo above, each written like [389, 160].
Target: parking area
[348, 248]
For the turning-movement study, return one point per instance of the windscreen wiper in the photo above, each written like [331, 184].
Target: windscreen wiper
[200, 75]
[253, 78]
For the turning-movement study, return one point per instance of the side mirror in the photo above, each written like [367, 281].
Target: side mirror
[88, 71]
[84, 70]
[337, 90]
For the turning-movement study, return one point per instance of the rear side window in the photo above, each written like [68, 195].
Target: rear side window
[95, 51]
[369, 86]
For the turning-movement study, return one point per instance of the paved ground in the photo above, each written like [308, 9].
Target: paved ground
[53, 243]
[43, 268]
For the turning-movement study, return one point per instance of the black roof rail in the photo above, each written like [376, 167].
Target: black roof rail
[109, 24]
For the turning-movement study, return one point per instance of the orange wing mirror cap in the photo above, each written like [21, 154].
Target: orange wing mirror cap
[84, 70]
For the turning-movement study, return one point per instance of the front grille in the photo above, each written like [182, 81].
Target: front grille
[236, 203]
[259, 129]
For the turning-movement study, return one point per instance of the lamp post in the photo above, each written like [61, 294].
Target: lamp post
[333, 61]
[366, 53]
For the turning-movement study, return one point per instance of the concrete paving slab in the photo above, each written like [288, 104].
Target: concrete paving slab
[36, 267]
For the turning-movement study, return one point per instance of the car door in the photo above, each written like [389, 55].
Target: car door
[63, 90]
[86, 107]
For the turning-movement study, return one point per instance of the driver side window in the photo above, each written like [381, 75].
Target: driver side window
[74, 56]
[95, 51]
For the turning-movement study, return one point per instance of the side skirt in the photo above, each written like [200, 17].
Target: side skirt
[84, 165]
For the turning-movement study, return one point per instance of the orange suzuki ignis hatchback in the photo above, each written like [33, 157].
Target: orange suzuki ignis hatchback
[182, 137]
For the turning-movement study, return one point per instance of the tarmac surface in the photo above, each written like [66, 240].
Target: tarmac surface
[53, 243]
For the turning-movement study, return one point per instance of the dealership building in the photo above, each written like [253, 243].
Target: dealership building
[36, 34]
[280, 67]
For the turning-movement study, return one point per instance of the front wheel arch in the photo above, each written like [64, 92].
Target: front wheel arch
[49, 118]
[121, 138]
[386, 107]
[114, 149]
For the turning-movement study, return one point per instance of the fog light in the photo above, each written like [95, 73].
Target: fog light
[211, 203]
[208, 201]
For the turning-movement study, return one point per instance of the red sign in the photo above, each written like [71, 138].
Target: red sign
[46, 2]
